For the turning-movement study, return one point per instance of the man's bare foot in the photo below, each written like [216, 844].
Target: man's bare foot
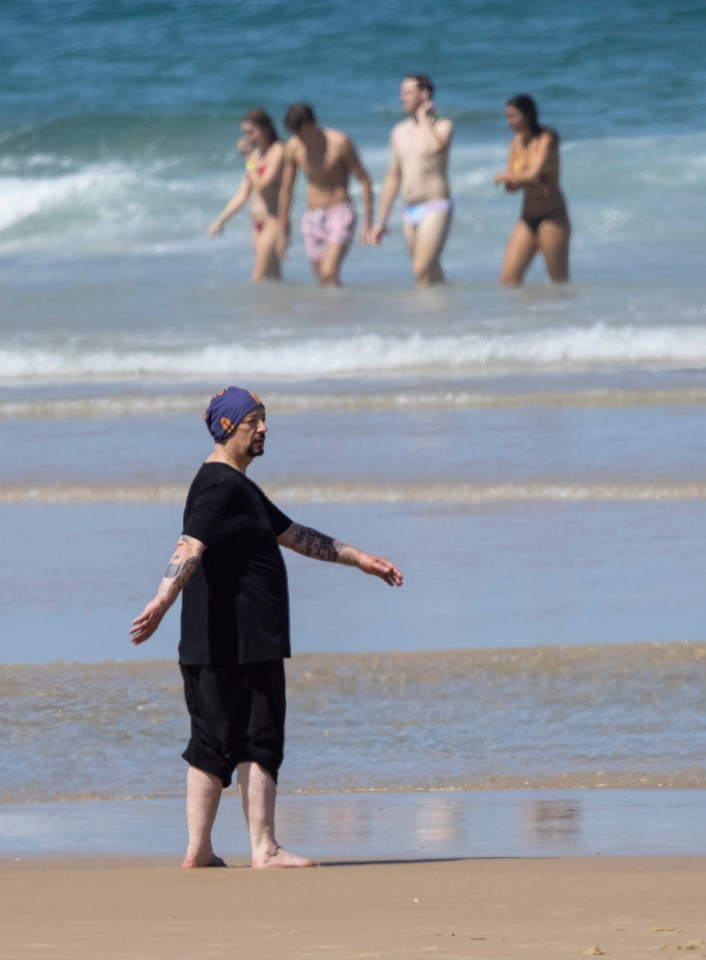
[281, 858]
[192, 863]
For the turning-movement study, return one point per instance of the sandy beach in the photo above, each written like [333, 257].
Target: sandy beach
[627, 908]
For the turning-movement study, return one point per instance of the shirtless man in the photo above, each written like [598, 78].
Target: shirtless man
[419, 156]
[327, 158]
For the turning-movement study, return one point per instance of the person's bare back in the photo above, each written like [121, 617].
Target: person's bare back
[325, 160]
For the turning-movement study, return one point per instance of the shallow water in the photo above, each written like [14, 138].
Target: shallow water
[568, 717]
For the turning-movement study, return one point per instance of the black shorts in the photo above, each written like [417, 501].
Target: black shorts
[237, 715]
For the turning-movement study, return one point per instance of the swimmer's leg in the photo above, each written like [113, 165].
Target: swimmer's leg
[330, 264]
[553, 236]
[267, 263]
[427, 245]
[203, 794]
[521, 248]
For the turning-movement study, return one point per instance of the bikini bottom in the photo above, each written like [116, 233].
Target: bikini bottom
[535, 221]
[414, 213]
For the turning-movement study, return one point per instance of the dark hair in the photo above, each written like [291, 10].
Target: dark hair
[298, 115]
[528, 108]
[423, 81]
[263, 120]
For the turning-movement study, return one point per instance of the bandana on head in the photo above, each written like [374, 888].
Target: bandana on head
[227, 409]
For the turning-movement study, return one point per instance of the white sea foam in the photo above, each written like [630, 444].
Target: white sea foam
[316, 491]
[121, 204]
[345, 401]
[598, 347]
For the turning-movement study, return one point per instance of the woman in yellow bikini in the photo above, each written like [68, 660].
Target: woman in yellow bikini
[533, 166]
[264, 155]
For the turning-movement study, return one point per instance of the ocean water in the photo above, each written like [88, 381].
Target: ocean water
[534, 460]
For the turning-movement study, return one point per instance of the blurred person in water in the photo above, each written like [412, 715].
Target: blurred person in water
[419, 159]
[327, 158]
[264, 155]
[533, 167]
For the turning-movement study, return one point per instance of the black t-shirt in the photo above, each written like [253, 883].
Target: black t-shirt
[235, 607]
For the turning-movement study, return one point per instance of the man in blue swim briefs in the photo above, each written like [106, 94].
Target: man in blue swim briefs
[419, 157]
[235, 629]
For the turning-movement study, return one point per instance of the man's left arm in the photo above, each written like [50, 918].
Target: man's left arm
[319, 546]
[366, 188]
[438, 131]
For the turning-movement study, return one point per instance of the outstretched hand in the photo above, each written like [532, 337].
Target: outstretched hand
[146, 624]
[380, 567]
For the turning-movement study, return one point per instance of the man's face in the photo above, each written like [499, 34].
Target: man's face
[249, 437]
[411, 96]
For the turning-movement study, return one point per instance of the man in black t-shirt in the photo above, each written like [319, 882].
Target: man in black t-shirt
[235, 629]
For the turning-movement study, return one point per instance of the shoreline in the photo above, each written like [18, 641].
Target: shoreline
[378, 825]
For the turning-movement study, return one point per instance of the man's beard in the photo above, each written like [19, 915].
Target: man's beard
[256, 449]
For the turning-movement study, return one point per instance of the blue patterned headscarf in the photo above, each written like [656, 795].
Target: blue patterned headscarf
[227, 409]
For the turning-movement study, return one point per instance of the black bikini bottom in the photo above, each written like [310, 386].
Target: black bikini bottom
[534, 222]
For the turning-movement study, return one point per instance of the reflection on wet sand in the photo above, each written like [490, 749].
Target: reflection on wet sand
[553, 821]
[439, 820]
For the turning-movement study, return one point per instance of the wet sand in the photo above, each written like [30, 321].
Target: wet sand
[424, 825]
[630, 908]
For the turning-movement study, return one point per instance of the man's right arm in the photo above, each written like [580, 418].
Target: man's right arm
[390, 188]
[237, 201]
[180, 569]
[319, 546]
[286, 194]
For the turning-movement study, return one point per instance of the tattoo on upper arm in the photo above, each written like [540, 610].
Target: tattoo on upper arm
[314, 544]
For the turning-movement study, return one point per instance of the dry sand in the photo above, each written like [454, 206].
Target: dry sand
[625, 908]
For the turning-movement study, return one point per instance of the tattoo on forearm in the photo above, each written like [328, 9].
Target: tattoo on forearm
[314, 544]
[181, 572]
[189, 566]
[172, 570]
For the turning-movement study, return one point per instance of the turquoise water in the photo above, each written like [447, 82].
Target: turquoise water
[535, 461]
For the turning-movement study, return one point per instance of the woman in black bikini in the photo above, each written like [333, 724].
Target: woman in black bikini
[264, 159]
[533, 166]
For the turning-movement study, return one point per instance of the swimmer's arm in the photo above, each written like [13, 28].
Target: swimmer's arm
[390, 188]
[361, 174]
[532, 176]
[272, 171]
[286, 194]
[319, 546]
[437, 131]
[507, 177]
[237, 202]
[180, 569]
